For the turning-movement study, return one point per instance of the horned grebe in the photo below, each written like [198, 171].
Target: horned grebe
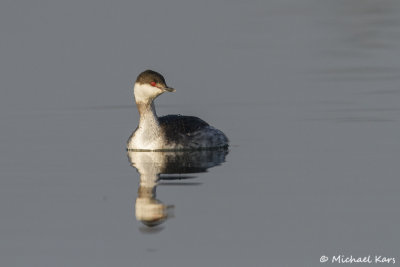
[171, 132]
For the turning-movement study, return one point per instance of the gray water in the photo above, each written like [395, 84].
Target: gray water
[307, 91]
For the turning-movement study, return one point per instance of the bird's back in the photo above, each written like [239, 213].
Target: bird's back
[190, 132]
[172, 124]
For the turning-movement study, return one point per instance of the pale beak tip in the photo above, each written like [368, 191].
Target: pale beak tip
[169, 89]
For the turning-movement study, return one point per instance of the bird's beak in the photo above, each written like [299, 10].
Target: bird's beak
[169, 89]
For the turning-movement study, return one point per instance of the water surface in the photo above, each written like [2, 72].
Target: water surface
[307, 91]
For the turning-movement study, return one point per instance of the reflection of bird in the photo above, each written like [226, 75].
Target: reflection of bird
[150, 165]
[172, 132]
[150, 211]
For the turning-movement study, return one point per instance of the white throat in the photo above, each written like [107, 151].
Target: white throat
[145, 93]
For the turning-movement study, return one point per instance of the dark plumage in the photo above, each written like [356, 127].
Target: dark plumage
[175, 126]
[149, 76]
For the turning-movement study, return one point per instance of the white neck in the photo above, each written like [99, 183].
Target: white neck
[148, 115]
[148, 133]
[148, 129]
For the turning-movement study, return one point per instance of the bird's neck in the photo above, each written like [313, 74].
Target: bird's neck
[148, 116]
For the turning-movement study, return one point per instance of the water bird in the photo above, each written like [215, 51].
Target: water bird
[171, 132]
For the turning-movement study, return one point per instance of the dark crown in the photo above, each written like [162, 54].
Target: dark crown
[149, 76]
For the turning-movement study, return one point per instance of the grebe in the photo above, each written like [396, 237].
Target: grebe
[171, 132]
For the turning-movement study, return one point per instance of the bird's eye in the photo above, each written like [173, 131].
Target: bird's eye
[153, 83]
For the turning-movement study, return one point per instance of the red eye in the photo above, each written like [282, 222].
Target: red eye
[153, 83]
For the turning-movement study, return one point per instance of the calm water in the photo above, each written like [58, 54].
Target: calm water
[307, 91]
